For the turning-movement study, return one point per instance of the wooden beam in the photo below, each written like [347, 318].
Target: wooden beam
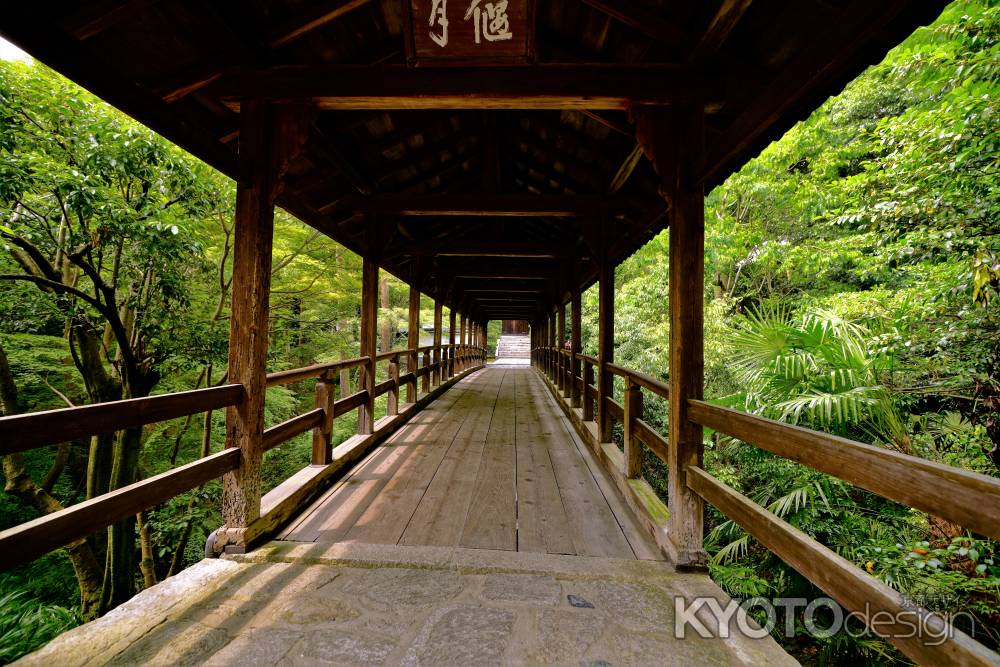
[791, 84]
[719, 28]
[339, 87]
[461, 205]
[641, 18]
[315, 17]
[485, 248]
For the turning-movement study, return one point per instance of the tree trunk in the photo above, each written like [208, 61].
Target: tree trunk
[20, 484]
[148, 564]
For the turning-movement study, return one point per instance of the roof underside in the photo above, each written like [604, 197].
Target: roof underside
[501, 185]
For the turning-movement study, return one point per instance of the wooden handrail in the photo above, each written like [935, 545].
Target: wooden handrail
[35, 429]
[646, 381]
[348, 403]
[298, 374]
[391, 354]
[583, 357]
[384, 387]
[287, 430]
[967, 498]
[656, 442]
[844, 581]
[31, 539]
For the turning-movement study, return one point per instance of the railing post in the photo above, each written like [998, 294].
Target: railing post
[322, 449]
[426, 384]
[345, 379]
[588, 396]
[575, 319]
[369, 328]
[560, 344]
[392, 407]
[451, 342]
[270, 137]
[438, 373]
[633, 448]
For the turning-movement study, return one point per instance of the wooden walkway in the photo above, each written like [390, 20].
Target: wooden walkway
[492, 464]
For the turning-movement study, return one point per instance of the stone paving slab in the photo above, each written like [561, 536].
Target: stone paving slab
[362, 604]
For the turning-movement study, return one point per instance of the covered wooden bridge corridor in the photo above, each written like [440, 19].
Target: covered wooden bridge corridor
[502, 158]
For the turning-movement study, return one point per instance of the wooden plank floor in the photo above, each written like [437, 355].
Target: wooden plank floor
[492, 464]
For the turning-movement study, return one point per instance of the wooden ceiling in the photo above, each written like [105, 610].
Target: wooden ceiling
[484, 177]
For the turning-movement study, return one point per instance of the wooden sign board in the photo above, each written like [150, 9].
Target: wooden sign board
[471, 32]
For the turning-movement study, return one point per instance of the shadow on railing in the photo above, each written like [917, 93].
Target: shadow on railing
[18, 433]
[966, 498]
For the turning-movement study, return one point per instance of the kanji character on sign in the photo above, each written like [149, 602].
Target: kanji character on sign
[439, 18]
[491, 20]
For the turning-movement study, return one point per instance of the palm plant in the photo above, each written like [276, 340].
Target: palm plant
[816, 369]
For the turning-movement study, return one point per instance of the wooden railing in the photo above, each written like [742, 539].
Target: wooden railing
[966, 498]
[18, 433]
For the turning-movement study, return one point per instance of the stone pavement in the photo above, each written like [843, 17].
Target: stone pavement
[361, 604]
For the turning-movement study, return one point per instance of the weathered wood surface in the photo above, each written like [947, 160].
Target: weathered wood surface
[309, 372]
[290, 428]
[29, 540]
[35, 429]
[967, 498]
[487, 465]
[844, 581]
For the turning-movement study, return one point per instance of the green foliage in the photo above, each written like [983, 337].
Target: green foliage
[26, 625]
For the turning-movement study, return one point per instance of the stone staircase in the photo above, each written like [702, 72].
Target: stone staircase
[514, 347]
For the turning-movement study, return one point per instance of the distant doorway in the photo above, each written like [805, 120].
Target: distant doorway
[514, 327]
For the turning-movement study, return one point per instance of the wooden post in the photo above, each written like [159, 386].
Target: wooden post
[451, 342]
[560, 342]
[369, 328]
[322, 450]
[605, 345]
[575, 319]
[633, 448]
[413, 341]
[673, 139]
[345, 379]
[269, 138]
[392, 405]
[588, 398]
[552, 344]
[426, 384]
[461, 344]
[438, 312]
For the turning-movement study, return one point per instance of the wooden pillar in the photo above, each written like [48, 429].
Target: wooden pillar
[575, 319]
[605, 344]
[673, 139]
[369, 329]
[438, 314]
[462, 345]
[269, 137]
[413, 341]
[451, 342]
[560, 342]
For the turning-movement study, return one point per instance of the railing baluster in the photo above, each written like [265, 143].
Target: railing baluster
[322, 449]
[588, 398]
[633, 413]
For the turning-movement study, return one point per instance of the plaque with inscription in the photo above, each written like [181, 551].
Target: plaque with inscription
[471, 31]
